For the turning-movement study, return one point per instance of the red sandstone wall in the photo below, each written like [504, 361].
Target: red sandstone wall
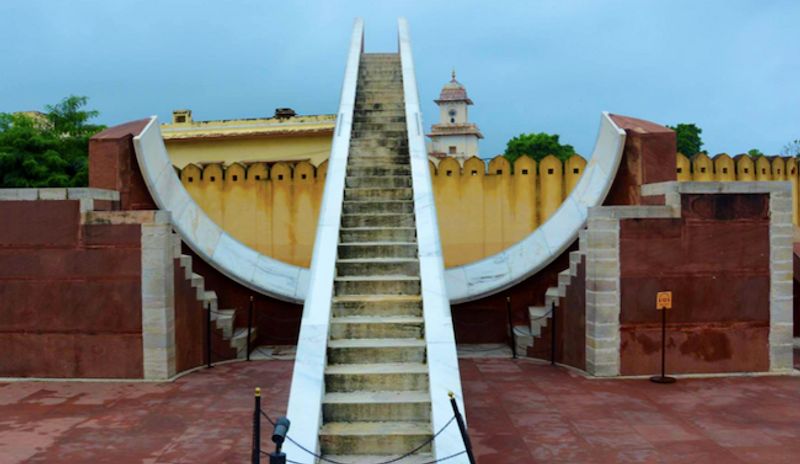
[571, 339]
[715, 260]
[70, 295]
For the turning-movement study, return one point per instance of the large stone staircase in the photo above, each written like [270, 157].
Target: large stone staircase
[377, 399]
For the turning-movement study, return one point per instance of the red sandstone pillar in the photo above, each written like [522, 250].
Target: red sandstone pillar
[649, 157]
[113, 165]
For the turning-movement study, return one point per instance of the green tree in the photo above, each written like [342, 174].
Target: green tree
[47, 150]
[792, 148]
[688, 137]
[537, 146]
[755, 152]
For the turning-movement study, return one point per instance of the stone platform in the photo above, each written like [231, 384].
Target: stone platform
[518, 411]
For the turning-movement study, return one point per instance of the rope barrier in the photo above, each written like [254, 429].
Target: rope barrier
[390, 461]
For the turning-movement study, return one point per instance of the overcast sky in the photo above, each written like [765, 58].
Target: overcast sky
[732, 67]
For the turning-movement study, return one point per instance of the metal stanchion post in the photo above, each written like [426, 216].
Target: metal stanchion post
[256, 454]
[553, 333]
[249, 325]
[208, 336]
[511, 327]
[278, 437]
[462, 428]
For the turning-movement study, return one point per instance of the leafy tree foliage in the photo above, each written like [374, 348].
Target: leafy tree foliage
[49, 149]
[537, 146]
[792, 148]
[755, 152]
[689, 140]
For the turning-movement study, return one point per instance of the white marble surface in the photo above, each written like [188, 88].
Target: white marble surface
[537, 250]
[439, 336]
[308, 379]
[236, 260]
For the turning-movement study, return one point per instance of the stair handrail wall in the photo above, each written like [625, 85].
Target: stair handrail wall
[443, 371]
[308, 377]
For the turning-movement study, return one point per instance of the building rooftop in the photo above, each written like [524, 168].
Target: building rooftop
[282, 124]
[455, 129]
[453, 91]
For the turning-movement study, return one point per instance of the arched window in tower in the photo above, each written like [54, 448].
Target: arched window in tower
[452, 114]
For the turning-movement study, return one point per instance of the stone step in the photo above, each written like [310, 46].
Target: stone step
[378, 193]
[389, 438]
[371, 151]
[371, 112]
[373, 154]
[209, 300]
[564, 278]
[377, 267]
[370, 100]
[372, 351]
[369, 162]
[414, 406]
[392, 106]
[362, 250]
[383, 72]
[376, 377]
[376, 327]
[377, 305]
[379, 118]
[379, 126]
[376, 285]
[378, 82]
[225, 318]
[377, 220]
[378, 207]
[378, 182]
[239, 340]
[377, 171]
[377, 234]
[539, 317]
[385, 135]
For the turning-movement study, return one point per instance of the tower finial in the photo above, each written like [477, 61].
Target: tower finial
[453, 73]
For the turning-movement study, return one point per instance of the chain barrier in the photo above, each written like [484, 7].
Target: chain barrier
[390, 461]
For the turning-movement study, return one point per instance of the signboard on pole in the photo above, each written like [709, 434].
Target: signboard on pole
[663, 300]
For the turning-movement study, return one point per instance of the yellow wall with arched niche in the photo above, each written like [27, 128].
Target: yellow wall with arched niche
[481, 209]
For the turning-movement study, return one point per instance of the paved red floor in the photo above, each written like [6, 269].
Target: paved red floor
[518, 412]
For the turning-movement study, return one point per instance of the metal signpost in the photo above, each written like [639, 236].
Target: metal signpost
[663, 303]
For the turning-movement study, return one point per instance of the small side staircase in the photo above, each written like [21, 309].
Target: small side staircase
[534, 338]
[224, 319]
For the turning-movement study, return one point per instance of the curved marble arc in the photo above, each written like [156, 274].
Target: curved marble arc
[231, 257]
[530, 255]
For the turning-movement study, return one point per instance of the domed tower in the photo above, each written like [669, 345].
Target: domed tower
[454, 135]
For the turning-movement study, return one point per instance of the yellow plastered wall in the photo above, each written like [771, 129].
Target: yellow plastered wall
[271, 209]
[743, 168]
[482, 209]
